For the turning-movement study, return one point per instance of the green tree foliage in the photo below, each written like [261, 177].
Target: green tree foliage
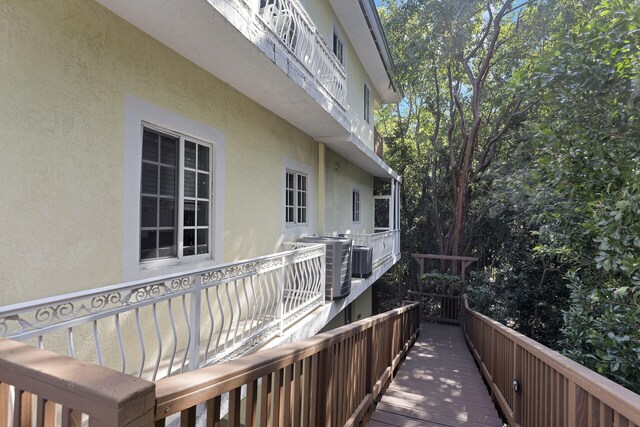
[587, 182]
[554, 215]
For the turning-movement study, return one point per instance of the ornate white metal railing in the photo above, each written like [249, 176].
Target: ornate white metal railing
[158, 327]
[290, 23]
[385, 245]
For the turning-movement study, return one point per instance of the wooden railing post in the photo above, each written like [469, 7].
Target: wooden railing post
[517, 376]
[577, 403]
[109, 398]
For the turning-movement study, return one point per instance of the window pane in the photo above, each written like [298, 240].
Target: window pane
[203, 213]
[302, 183]
[190, 154]
[168, 150]
[381, 216]
[203, 158]
[149, 211]
[167, 213]
[203, 241]
[302, 215]
[189, 213]
[150, 145]
[189, 184]
[167, 181]
[289, 180]
[167, 244]
[149, 178]
[289, 214]
[203, 186]
[189, 243]
[189, 238]
[148, 244]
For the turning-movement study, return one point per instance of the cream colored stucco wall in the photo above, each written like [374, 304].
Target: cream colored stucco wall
[66, 67]
[361, 307]
[326, 21]
[341, 179]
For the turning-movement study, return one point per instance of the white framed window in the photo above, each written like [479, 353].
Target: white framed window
[296, 197]
[355, 205]
[173, 192]
[367, 104]
[338, 47]
[175, 200]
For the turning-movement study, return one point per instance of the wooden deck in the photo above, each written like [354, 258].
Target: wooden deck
[437, 385]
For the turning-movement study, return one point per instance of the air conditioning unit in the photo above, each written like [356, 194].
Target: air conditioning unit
[338, 265]
[361, 261]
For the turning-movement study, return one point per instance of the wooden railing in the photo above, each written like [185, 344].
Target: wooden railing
[64, 391]
[536, 386]
[439, 308]
[331, 379]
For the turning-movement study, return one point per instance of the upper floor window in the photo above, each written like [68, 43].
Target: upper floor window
[295, 197]
[338, 47]
[367, 104]
[355, 199]
[175, 199]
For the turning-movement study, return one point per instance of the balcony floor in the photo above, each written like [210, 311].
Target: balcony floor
[437, 385]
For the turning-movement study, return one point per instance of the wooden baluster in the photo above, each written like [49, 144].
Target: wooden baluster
[251, 404]
[213, 412]
[234, 407]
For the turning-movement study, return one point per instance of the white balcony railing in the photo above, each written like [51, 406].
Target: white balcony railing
[385, 245]
[158, 327]
[290, 23]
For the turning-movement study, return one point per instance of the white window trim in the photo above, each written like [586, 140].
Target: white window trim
[369, 108]
[138, 113]
[356, 190]
[293, 230]
[342, 38]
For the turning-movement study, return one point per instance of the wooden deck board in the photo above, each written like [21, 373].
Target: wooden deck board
[437, 385]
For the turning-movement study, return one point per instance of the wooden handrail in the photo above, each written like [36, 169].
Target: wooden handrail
[332, 378]
[553, 389]
[107, 397]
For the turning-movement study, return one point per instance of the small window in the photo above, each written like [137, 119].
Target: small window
[367, 104]
[338, 48]
[356, 206]
[175, 183]
[296, 193]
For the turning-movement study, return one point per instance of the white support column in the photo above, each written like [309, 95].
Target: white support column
[195, 314]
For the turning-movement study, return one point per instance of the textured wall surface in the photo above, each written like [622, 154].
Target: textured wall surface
[66, 67]
[341, 178]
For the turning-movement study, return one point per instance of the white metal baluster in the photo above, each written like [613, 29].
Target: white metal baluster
[70, 348]
[252, 329]
[175, 338]
[280, 290]
[96, 340]
[40, 342]
[246, 299]
[159, 337]
[186, 318]
[123, 358]
[226, 341]
[141, 338]
[211, 326]
[263, 307]
[196, 316]
[221, 319]
[269, 307]
[235, 334]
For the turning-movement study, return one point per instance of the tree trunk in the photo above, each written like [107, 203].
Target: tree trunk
[461, 196]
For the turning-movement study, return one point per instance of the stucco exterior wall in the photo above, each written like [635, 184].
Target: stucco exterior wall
[326, 21]
[342, 177]
[67, 67]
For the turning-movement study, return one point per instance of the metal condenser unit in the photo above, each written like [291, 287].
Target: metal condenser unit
[338, 261]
